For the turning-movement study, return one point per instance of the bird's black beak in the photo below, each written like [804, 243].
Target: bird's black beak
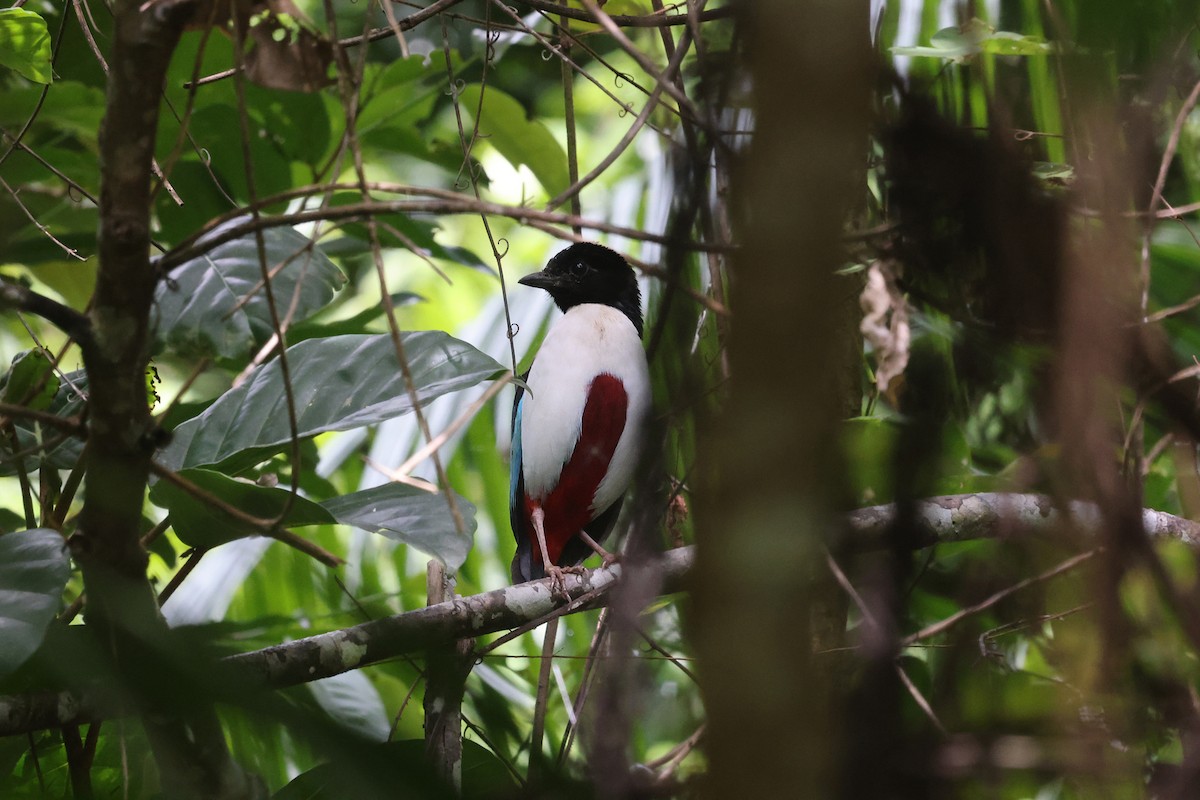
[540, 280]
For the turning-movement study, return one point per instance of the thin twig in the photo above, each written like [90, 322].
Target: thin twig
[542, 701]
[656, 20]
[436, 442]
[71, 251]
[207, 238]
[661, 78]
[943, 625]
[920, 700]
[577, 183]
[181, 575]
[70, 425]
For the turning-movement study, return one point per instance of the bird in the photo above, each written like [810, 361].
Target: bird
[580, 417]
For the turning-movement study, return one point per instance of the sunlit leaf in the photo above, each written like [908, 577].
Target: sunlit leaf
[25, 44]
[352, 701]
[973, 37]
[338, 383]
[503, 121]
[409, 515]
[1005, 43]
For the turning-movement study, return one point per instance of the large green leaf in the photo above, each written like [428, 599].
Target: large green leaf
[200, 524]
[409, 515]
[34, 568]
[215, 305]
[504, 124]
[338, 383]
[25, 44]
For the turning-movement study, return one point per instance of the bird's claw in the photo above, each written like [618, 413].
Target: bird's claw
[558, 587]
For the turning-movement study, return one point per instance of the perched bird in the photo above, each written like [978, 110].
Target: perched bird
[578, 428]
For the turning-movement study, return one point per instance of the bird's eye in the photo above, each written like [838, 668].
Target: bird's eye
[578, 269]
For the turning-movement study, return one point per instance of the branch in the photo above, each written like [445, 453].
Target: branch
[68, 320]
[939, 520]
[340, 651]
[440, 203]
[960, 518]
[628, 20]
[68, 425]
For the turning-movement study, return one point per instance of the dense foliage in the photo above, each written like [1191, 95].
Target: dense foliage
[261, 350]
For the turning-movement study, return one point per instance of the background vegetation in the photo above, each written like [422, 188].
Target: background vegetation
[921, 289]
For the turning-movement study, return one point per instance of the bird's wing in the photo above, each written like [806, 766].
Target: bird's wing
[521, 567]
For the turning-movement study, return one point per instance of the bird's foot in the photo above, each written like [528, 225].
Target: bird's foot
[558, 587]
[608, 559]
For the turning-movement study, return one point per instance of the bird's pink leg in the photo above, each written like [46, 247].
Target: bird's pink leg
[538, 518]
[609, 558]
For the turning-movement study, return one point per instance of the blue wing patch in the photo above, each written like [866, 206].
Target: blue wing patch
[514, 479]
[522, 567]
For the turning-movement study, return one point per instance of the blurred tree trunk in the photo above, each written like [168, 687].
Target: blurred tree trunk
[771, 460]
[122, 609]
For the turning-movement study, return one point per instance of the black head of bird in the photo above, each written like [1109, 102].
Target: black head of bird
[590, 273]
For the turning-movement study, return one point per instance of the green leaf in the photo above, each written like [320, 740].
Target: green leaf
[72, 108]
[1006, 43]
[200, 524]
[30, 381]
[1059, 174]
[215, 305]
[34, 569]
[504, 123]
[353, 703]
[976, 36]
[68, 401]
[338, 383]
[368, 320]
[297, 122]
[409, 515]
[948, 43]
[399, 97]
[25, 44]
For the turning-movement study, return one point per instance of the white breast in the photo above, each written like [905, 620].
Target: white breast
[586, 341]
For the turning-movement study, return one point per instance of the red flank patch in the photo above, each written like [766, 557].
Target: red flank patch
[568, 506]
